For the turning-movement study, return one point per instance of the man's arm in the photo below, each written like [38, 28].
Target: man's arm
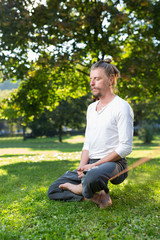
[112, 157]
[84, 158]
[84, 161]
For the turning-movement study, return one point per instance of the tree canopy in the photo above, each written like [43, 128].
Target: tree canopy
[67, 36]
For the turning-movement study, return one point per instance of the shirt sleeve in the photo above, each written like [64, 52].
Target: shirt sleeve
[125, 130]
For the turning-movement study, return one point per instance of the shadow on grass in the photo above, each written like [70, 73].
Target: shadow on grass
[44, 144]
[41, 144]
[31, 173]
[17, 155]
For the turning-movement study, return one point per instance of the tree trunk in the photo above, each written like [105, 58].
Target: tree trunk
[24, 133]
[11, 128]
[60, 133]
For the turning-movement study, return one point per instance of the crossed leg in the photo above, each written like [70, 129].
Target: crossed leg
[77, 189]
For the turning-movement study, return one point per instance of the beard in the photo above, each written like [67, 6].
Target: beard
[98, 94]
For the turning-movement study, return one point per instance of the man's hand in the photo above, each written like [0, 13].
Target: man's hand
[80, 172]
[87, 167]
[81, 169]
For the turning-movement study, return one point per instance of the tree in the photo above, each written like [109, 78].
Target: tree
[70, 113]
[68, 36]
[76, 35]
[78, 32]
[46, 87]
[140, 64]
[15, 30]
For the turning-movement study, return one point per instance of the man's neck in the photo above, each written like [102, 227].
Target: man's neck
[104, 101]
[107, 98]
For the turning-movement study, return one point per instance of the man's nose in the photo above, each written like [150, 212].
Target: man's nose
[92, 82]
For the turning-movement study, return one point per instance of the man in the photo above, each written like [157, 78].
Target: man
[108, 140]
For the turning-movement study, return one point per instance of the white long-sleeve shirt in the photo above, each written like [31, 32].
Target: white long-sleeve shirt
[110, 129]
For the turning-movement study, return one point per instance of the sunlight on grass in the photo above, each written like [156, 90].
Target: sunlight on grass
[3, 172]
[75, 139]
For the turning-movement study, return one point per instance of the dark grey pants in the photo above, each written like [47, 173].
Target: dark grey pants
[94, 180]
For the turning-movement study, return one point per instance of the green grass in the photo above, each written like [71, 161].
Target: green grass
[27, 168]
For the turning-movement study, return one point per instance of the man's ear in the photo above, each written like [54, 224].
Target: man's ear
[111, 80]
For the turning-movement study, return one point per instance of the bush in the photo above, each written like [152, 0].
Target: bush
[145, 133]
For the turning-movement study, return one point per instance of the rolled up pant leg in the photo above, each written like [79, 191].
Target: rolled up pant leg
[96, 179]
[55, 193]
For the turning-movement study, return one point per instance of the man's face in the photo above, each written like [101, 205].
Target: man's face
[99, 82]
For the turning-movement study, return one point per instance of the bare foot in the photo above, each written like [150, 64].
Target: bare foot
[102, 199]
[105, 200]
[96, 198]
[77, 189]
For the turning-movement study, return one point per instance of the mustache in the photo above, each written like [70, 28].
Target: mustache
[92, 88]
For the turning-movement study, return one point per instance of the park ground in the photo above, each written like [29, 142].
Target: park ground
[27, 168]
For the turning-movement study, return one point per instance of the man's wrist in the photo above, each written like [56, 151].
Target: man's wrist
[80, 166]
[96, 163]
[93, 165]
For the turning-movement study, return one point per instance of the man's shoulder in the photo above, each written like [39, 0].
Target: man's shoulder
[121, 105]
[120, 101]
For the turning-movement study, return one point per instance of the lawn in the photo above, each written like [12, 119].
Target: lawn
[27, 168]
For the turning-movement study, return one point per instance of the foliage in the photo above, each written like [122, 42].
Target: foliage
[68, 36]
[140, 65]
[15, 26]
[27, 170]
[46, 87]
[8, 110]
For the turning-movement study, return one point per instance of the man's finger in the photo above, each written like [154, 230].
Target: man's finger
[80, 176]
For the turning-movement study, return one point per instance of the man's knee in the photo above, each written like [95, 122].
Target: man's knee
[91, 181]
[90, 177]
[94, 182]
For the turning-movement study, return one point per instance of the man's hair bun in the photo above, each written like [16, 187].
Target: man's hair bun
[108, 59]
